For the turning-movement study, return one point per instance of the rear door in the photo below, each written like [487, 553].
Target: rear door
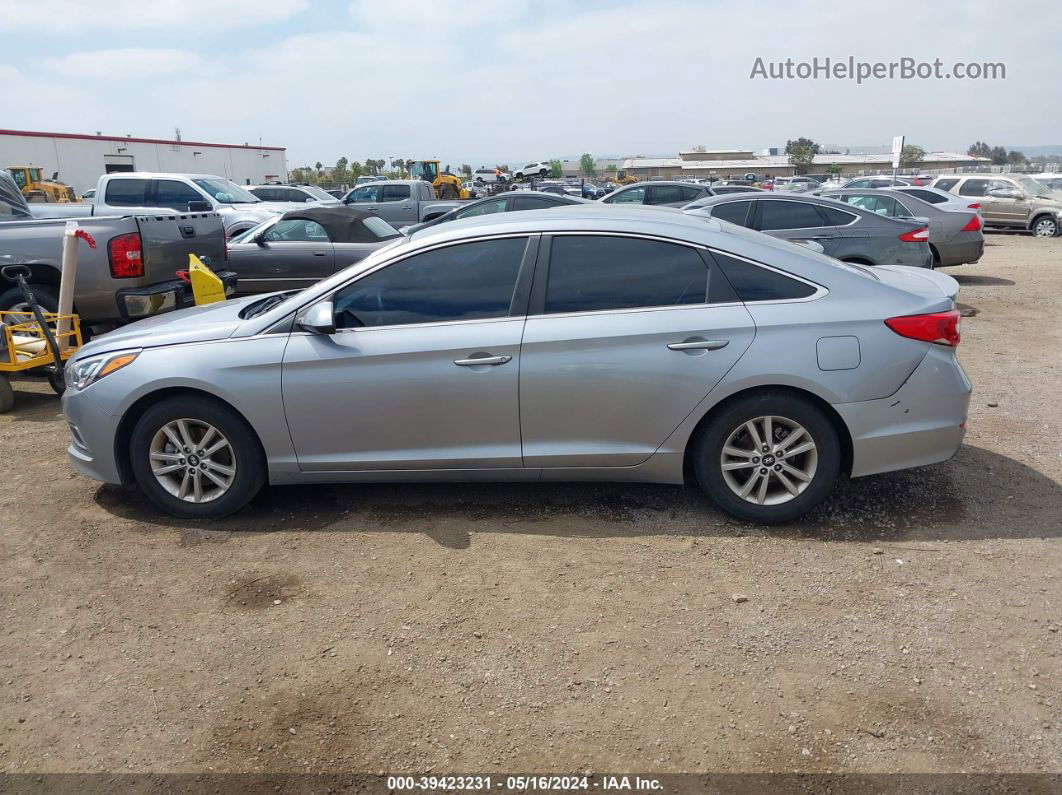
[396, 205]
[1012, 211]
[174, 195]
[795, 220]
[626, 336]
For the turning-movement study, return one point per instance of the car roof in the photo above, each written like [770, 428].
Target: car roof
[662, 182]
[767, 195]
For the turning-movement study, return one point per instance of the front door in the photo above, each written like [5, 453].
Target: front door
[423, 370]
[627, 340]
[1010, 211]
[294, 253]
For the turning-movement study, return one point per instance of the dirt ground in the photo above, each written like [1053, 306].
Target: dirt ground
[914, 623]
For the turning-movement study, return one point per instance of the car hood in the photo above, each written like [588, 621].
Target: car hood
[198, 324]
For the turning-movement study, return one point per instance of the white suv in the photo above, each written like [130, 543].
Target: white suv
[539, 169]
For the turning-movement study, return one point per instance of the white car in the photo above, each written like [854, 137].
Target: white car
[539, 169]
[488, 175]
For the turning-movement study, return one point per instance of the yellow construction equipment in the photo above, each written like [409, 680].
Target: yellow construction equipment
[623, 178]
[446, 184]
[31, 181]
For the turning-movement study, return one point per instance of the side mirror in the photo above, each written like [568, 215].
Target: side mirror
[319, 318]
[199, 207]
[1006, 193]
[260, 239]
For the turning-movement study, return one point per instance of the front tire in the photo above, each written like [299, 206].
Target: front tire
[768, 458]
[196, 458]
[1045, 226]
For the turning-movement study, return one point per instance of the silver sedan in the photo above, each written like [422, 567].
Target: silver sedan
[581, 343]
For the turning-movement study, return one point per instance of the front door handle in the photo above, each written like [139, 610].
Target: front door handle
[702, 345]
[476, 361]
[319, 253]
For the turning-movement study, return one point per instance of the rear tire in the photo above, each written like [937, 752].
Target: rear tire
[12, 300]
[240, 462]
[800, 464]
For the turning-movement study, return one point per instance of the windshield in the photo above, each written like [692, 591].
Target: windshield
[253, 232]
[318, 193]
[1030, 185]
[226, 192]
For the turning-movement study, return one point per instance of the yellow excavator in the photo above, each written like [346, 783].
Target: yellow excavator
[446, 184]
[31, 181]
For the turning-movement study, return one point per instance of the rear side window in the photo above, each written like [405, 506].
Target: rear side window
[973, 187]
[471, 281]
[394, 193]
[945, 184]
[734, 212]
[126, 192]
[835, 217]
[534, 203]
[591, 273]
[926, 196]
[630, 196]
[754, 283]
[483, 208]
[788, 215]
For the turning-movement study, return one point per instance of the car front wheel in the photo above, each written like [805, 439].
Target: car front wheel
[1045, 227]
[196, 458]
[768, 458]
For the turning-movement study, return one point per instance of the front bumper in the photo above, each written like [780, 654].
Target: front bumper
[924, 422]
[92, 432]
[140, 302]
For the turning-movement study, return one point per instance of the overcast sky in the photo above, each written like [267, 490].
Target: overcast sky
[479, 82]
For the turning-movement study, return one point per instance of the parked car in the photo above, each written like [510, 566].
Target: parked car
[141, 192]
[1009, 201]
[663, 193]
[846, 233]
[763, 368]
[796, 184]
[945, 200]
[399, 201]
[88, 194]
[296, 194]
[365, 179]
[537, 169]
[301, 247]
[955, 235]
[510, 201]
[130, 274]
[877, 181]
[723, 190]
[489, 175]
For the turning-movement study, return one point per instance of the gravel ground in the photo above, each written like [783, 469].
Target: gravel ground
[911, 624]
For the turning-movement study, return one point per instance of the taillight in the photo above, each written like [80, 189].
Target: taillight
[974, 206]
[941, 328]
[126, 256]
[973, 224]
[919, 235]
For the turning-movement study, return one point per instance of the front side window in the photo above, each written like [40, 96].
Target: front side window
[297, 230]
[471, 281]
[394, 193]
[667, 194]
[126, 192]
[483, 208]
[226, 192]
[973, 187]
[594, 273]
[945, 184]
[366, 194]
[171, 193]
[629, 196]
[788, 215]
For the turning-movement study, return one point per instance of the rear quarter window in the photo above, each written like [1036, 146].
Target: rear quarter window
[755, 283]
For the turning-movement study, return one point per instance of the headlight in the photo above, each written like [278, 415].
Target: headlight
[84, 372]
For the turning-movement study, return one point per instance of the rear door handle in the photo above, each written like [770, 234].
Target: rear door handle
[703, 345]
[320, 253]
[475, 361]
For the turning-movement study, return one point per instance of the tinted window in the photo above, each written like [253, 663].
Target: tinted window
[265, 194]
[927, 196]
[732, 189]
[630, 196]
[126, 192]
[595, 273]
[945, 184]
[170, 193]
[483, 208]
[973, 187]
[753, 283]
[465, 282]
[395, 193]
[297, 230]
[879, 205]
[535, 203]
[734, 212]
[295, 195]
[858, 183]
[788, 215]
[668, 194]
[835, 217]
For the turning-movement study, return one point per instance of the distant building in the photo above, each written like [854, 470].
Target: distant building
[82, 159]
[726, 163]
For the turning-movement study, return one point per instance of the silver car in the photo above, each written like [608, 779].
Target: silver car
[662, 193]
[847, 233]
[955, 235]
[579, 343]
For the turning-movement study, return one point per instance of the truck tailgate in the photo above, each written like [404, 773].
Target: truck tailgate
[168, 239]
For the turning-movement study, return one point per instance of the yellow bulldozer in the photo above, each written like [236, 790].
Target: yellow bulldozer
[623, 178]
[446, 184]
[31, 181]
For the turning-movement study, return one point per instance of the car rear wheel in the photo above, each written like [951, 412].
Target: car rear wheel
[196, 458]
[1045, 226]
[768, 458]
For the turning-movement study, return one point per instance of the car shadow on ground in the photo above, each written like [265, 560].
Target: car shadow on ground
[38, 405]
[977, 280]
[978, 495]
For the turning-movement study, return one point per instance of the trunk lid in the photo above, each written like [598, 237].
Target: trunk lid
[939, 289]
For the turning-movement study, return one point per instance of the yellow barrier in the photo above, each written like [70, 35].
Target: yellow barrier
[207, 288]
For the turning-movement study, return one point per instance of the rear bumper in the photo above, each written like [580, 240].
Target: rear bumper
[154, 299]
[962, 252]
[924, 422]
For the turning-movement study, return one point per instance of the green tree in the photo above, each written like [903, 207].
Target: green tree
[611, 168]
[979, 149]
[466, 169]
[355, 170]
[586, 164]
[341, 174]
[801, 153]
[1016, 158]
[370, 166]
[297, 175]
[556, 170]
[999, 156]
[833, 168]
[911, 156]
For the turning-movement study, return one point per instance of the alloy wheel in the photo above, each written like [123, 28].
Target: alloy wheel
[1045, 227]
[769, 460]
[192, 460]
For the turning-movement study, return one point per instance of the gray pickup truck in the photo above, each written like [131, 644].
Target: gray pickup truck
[130, 274]
[400, 202]
[148, 192]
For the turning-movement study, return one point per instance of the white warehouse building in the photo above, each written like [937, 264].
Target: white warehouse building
[82, 159]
